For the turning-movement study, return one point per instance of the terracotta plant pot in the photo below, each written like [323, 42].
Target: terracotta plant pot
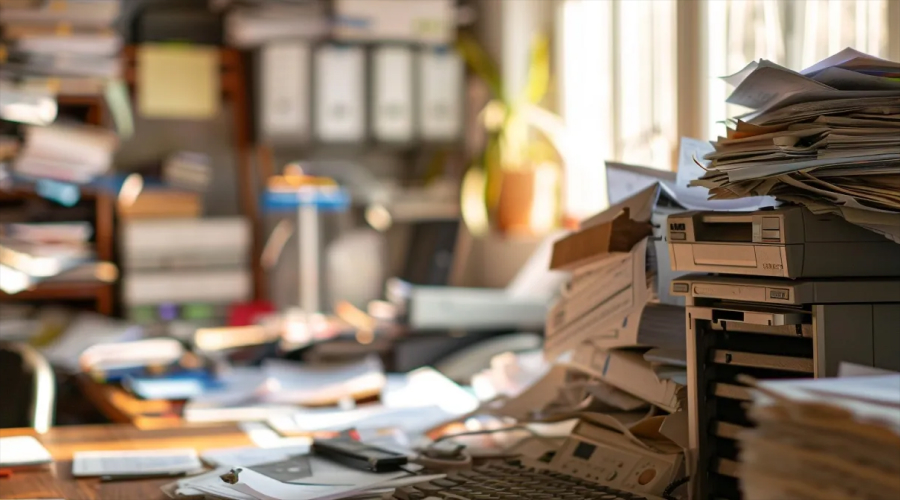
[529, 200]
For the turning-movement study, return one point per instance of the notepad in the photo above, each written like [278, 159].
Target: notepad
[134, 463]
[22, 451]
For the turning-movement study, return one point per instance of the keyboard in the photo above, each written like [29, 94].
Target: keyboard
[511, 481]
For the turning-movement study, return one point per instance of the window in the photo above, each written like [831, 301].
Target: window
[627, 65]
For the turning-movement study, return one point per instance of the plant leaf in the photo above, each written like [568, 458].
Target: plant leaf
[480, 63]
[538, 71]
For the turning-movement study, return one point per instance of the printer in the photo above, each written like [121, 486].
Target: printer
[766, 328]
[783, 242]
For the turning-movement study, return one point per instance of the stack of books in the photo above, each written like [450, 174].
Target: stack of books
[32, 253]
[827, 138]
[69, 153]
[68, 48]
[836, 438]
[608, 316]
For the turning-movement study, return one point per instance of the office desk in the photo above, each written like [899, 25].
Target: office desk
[62, 442]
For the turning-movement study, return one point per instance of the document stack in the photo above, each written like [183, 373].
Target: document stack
[827, 138]
[608, 314]
[793, 290]
[68, 48]
[51, 253]
[830, 438]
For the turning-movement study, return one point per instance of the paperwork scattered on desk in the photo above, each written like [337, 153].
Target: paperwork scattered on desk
[836, 438]
[827, 138]
[134, 462]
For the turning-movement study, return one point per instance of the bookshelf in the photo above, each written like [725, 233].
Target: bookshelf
[234, 91]
[102, 206]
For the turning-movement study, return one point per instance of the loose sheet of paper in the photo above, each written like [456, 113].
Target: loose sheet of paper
[21, 451]
[134, 462]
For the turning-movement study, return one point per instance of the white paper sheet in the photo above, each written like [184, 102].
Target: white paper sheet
[134, 462]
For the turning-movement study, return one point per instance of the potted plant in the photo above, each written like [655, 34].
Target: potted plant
[513, 185]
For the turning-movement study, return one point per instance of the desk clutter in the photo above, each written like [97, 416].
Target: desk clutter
[738, 347]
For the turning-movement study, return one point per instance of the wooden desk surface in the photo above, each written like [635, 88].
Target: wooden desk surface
[62, 442]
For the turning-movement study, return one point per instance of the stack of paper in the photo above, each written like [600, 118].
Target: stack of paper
[827, 138]
[32, 253]
[608, 313]
[76, 154]
[824, 438]
[68, 48]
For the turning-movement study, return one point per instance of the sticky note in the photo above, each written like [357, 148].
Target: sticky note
[179, 82]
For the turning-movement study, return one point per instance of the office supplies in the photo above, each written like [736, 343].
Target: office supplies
[440, 94]
[284, 109]
[340, 93]
[392, 93]
[769, 328]
[594, 453]
[178, 81]
[789, 242]
[22, 451]
[134, 463]
[523, 482]
[789, 452]
[425, 22]
[358, 455]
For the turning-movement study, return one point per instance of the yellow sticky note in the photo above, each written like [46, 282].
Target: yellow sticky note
[178, 81]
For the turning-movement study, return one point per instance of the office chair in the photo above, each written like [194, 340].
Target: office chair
[29, 388]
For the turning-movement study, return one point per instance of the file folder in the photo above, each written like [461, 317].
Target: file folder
[340, 93]
[440, 94]
[392, 94]
[285, 97]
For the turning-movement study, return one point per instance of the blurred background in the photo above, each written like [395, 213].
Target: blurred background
[234, 173]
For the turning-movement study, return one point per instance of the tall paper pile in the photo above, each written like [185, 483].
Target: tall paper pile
[827, 138]
[820, 439]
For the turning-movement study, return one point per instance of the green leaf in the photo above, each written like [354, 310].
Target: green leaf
[538, 71]
[480, 63]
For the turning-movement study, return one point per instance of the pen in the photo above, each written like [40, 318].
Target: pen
[139, 477]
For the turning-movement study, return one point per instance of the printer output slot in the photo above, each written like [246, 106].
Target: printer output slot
[758, 317]
[716, 229]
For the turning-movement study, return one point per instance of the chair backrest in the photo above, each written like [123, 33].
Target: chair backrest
[29, 388]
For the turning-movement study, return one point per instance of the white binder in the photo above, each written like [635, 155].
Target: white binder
[340, 93]
[392, 94]
[284, 98]
[440, 93]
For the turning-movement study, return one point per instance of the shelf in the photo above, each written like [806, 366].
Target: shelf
[86, 290]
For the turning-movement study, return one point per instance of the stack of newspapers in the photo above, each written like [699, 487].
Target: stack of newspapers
[827, 138]
[834, 438]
